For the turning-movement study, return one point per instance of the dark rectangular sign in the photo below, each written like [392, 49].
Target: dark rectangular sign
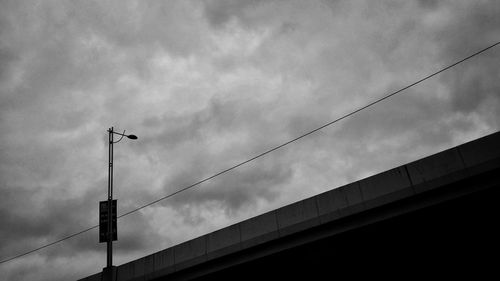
[103, 221]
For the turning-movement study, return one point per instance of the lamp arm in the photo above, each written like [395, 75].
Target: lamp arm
[123, 134]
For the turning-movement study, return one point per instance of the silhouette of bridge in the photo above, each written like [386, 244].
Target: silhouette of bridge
[437, 216]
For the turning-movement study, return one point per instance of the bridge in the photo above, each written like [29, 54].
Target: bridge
[434, 217]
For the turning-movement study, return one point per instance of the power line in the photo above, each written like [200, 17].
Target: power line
[310, 132]
[267, 151]
[50, 244]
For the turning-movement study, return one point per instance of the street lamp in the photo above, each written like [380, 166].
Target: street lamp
[107, 215]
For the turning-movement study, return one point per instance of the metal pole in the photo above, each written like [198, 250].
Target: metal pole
[110, 202]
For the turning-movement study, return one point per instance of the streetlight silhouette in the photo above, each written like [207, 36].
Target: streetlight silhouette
[110, 206]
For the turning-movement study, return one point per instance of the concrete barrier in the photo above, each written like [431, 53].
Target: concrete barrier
[190, 253]
[481, 150]
[385, 187]
[224, 241]
[330, 203]
[429, 172]
[297, 216]
[259, 229]
[131, 271]
[163, 262]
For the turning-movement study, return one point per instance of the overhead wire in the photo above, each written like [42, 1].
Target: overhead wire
[267, 151]
[309, 132]
[48, 245]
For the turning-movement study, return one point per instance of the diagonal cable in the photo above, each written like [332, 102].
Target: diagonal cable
[267, 151]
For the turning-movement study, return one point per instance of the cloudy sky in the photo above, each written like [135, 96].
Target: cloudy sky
[206, 85]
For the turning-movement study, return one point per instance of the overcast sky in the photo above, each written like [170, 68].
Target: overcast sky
[206, 85]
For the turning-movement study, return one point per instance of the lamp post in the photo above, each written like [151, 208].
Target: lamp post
[109, 205]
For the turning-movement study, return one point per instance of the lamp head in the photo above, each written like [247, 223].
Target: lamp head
[132, 137]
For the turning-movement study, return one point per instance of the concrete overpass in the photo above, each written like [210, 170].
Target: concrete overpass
[437, 216]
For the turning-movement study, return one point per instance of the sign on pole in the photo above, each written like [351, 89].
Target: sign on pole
[103, 221]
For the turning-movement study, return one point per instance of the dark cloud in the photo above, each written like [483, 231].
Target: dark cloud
[240, 188]
[237, 189]
[219, 13]
[144, 24]
[477, 81]
[7, 57]
[205, 86]
[430, 4]
[217, 119]
[32, 217]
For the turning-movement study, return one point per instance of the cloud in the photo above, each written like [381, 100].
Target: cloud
[219, 13]
[474, 27]
[207, 85]
[236, 190]
[35, 219]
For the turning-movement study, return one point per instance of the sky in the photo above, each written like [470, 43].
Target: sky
[206, 85]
